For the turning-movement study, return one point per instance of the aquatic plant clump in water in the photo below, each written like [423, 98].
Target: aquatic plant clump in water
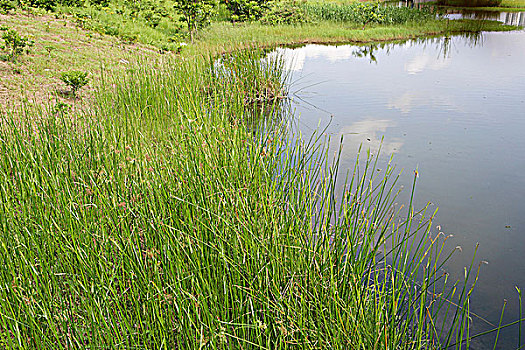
[250, 74]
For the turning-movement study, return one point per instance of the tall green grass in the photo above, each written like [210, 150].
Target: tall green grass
[159, 220]
[367, 13]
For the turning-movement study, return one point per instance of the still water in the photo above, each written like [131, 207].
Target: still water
[509, 18]
[454, 108]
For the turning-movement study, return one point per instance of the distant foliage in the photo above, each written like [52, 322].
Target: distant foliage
[14, 44]
[99, 3]
[48, 5]
[365, 13]
[129, 38]
[6, 6]
[267, 12]
[72, 3]
[285, 12]
[152, 11]
[75, 80]
[246, 10]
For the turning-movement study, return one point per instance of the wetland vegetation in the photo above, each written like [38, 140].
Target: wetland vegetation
[170, 205]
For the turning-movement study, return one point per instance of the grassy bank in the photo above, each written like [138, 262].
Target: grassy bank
[178, 210]
[222, 37]
[164, 219]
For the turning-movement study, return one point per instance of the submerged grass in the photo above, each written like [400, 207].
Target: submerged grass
[159, 220]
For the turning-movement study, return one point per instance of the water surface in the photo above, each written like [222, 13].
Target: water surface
[454, 108]
[509, 18]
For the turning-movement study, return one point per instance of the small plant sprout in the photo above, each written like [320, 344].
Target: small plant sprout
[49, 48]
[75, 80]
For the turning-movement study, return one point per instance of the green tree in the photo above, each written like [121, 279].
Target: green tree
[196, 13]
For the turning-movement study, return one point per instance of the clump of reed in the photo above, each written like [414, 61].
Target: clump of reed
[154, 222]
[247, 78]
[365, 13]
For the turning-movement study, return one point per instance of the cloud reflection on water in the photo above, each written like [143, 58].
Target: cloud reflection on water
[368, 133]
[424, 62]
[295, 58]
[408, 100]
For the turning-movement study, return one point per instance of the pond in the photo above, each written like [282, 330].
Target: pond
[454, 108]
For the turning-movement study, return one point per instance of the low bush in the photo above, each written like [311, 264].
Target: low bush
[6, 6]
[99, 3]
[284, 12]
[14, 44]
[48, 5]
[75, 80]
[72, 3]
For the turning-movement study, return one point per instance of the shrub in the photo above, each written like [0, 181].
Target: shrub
[72, 3]
[75, 80]
[6, 6]
[60, 108]
[49, 5]
[246, 10]
[110, 30]
[99, 3]
[82, 20]
[284, 12]
[129, 38]
[15, 44]
[152, 17]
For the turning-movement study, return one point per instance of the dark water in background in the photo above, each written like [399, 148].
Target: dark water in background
[509, 18]
[455, 109]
